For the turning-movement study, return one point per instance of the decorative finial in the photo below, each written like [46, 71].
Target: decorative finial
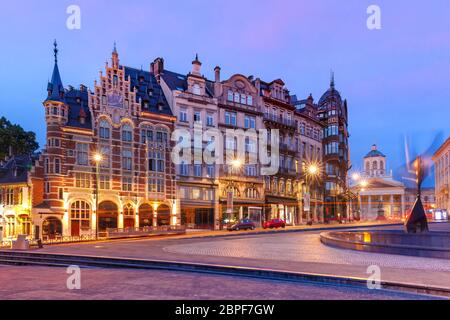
[196, 57]
[55, 50]
[115, 47]
[332, 79]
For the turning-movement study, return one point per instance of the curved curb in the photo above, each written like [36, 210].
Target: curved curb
[399, 249]
[63, 260]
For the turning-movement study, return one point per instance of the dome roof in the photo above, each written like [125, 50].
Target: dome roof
[374, 153]
[331, 94]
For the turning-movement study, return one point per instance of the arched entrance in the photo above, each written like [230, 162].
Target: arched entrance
[107, 216]
[128, 216]
[163, 215]
[51, 228]
[80, 217]
[145, 215]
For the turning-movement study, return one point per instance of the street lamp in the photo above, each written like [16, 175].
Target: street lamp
[98, 158]
[313, 169]
[236, 165]
[312, 173]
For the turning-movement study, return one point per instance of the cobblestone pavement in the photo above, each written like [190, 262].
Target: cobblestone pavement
[298, 252]
[41, 283]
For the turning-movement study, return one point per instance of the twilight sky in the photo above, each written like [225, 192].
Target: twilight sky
[396, 80]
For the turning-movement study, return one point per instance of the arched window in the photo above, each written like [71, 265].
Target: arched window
[367, 166]
[128, 210]
[127, 133]
[81, 211]
[289, 187]
[251, 193]
[375, 165]
[105, 129]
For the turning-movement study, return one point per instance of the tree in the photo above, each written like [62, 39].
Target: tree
[14, 137]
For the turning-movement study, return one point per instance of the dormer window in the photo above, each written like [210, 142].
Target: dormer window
[196, 89]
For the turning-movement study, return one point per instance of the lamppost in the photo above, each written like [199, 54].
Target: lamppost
[98, 158]
[236, 165]
[361, 185]
[312, 173]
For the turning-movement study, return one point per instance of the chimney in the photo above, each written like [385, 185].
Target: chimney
[258, 84]
[158, 67]
[217, 74]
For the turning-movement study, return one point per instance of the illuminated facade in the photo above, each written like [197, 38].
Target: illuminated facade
[239, 108]
[19, 191]
[107, 163]
[310, 153]
[282, 189]
[128, 122]
[383, 197]
[191, 98]
[442, 176]
[333, 114]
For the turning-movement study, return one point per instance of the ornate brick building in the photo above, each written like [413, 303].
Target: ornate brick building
[107, 162]
[333, 114]
[128, 122]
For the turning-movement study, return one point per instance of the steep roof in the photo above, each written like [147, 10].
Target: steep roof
[55, 86]
[16, 169]
[178, 81]
[78, 102]
[148, 89]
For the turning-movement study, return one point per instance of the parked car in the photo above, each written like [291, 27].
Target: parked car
[245, 224]
[274, 223]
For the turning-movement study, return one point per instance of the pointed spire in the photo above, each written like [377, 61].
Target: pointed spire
[196, 66]
[332, 80]
[55, 50]
[196, 61]
[55, 86]
[115, 57]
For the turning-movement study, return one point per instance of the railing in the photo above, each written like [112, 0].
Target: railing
[238, 105]
[130, 232]
[108, 234]
[281, 120]
[188, 95]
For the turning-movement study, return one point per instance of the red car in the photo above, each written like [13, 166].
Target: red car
[274, 223]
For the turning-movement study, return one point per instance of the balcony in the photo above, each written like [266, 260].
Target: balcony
[238, 106]
[280, 121]
[196, 98]
[287, 172]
